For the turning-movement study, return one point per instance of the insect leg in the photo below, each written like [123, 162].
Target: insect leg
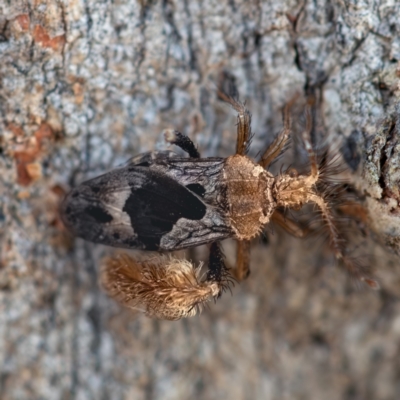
[182, 141]
[243, 124]
[278, 145]
[354, 269]
[163, 286]
[243, 128]
[217, 271]
[242, 270]
[289, 225]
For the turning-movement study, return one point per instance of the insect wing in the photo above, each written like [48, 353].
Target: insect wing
[142, 208]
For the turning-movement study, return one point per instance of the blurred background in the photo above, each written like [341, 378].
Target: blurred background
[85, 85]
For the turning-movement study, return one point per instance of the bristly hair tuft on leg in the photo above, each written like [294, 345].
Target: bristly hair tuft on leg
[161, 286]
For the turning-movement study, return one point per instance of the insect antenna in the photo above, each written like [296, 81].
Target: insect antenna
[322, 191]
[355, 269]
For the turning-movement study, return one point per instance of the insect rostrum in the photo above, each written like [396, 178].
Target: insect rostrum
[159, 201]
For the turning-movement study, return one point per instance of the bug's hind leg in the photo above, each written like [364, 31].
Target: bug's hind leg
[242, 270]
[182, 141]
[217, 271]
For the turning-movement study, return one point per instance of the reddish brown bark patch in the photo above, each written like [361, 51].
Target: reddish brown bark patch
[41, 37]
[23, 21]
[28, 152]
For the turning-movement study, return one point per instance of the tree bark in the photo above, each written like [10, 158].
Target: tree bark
[87, 84]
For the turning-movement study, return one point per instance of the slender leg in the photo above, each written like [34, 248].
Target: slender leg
[277, 146]
[242, 270]
[289, 225]
[217, 271]
[243, 124]
[182, 141]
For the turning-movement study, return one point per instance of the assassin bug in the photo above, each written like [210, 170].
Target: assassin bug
[159, 201]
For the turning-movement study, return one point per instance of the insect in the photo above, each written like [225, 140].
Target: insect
[162, 202]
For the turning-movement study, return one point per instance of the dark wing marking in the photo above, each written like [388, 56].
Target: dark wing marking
[157, 206]
[98, 214]
[203, 176]
[138, 207]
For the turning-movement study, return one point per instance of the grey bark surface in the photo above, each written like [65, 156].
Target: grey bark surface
[87, 84]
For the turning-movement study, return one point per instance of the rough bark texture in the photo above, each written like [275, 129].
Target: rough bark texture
[85, 85]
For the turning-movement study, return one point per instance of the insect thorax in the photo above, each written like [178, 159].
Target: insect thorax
[249, 195]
